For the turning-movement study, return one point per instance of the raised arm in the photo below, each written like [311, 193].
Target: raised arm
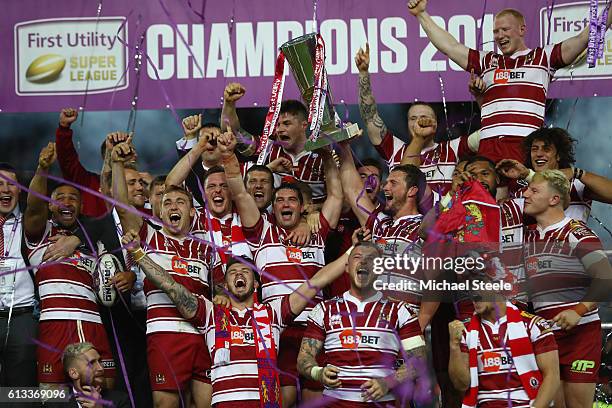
[300, 298]
[352, 185]
[548, 363]
[423, 129]
[574, 46]
[440, 38]
[122, 153]
[332, 207]
[246, 144]
[244, 202]
[599, 187]
[106, 174]
[458, 364]
[36, 212]
[185, 301]
[375, 126]
[180, 171]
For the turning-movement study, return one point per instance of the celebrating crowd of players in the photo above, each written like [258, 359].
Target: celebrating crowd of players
[240, 284]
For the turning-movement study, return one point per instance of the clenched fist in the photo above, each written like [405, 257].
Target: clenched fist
[192, 125]
[47, 156]
[67, 117]
[362, 59]
[416, 7]
[233, 92]
[455, 331]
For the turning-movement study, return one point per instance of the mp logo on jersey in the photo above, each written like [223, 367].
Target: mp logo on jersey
[493, 361]
[502, 76]
[351, 339]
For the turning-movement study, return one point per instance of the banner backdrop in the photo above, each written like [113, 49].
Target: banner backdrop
[84, 52]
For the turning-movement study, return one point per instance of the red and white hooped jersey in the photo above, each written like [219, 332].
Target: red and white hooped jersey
[307, 167]
[363, 339]
[229, 237]
[65, 286]
[399, 237]
[514, 99]
[285, 267]
[498, 380]
[512, 235]
[556, 260]
[579, 208]
[237, 381]
[437, 161]
[188, 262]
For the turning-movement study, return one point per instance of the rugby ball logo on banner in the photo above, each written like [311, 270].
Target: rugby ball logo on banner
[70, 56]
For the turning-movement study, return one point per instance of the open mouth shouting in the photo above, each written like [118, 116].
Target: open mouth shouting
[6, 200]
[175, 219]
[66, 214]
[362, 272]
[240, 282]
[286, 215]
[218, 201]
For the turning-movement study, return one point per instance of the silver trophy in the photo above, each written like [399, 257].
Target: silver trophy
[300, 54]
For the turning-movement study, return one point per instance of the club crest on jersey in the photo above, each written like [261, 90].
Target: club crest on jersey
[47, 368]
[335, 320]
[502, 76]
[294, 254]
[160, 378]
[493, 361]
[179, 265]
[494, 61]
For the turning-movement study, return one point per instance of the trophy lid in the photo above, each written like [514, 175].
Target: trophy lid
[310, 39]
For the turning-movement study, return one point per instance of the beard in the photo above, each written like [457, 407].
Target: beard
[244, 296]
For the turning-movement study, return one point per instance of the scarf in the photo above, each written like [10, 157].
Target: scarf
[235, 246]
[520, 348]
[265, 350]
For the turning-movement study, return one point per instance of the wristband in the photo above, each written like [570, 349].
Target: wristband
[316, 373]
[581, 309]
[138, 254]
[348, 251]
[530, 176]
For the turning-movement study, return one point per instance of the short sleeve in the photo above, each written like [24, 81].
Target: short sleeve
[409, 329]
[315, 328]
[253, 234]
[474, 58]
[281, 308]
[199, 319]
[391, 149]
[542, 336]
[324, 230]
[555, 57]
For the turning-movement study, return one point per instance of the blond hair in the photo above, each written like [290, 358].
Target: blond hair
[74, 351]
[514, 13]
[558, 182]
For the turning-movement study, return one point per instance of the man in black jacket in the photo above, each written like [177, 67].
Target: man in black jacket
[82, 365]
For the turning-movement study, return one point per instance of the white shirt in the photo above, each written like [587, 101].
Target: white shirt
[19, 282]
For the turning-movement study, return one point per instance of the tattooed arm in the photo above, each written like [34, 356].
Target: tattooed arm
[307, 358]
[185, 301]
[367, 105]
